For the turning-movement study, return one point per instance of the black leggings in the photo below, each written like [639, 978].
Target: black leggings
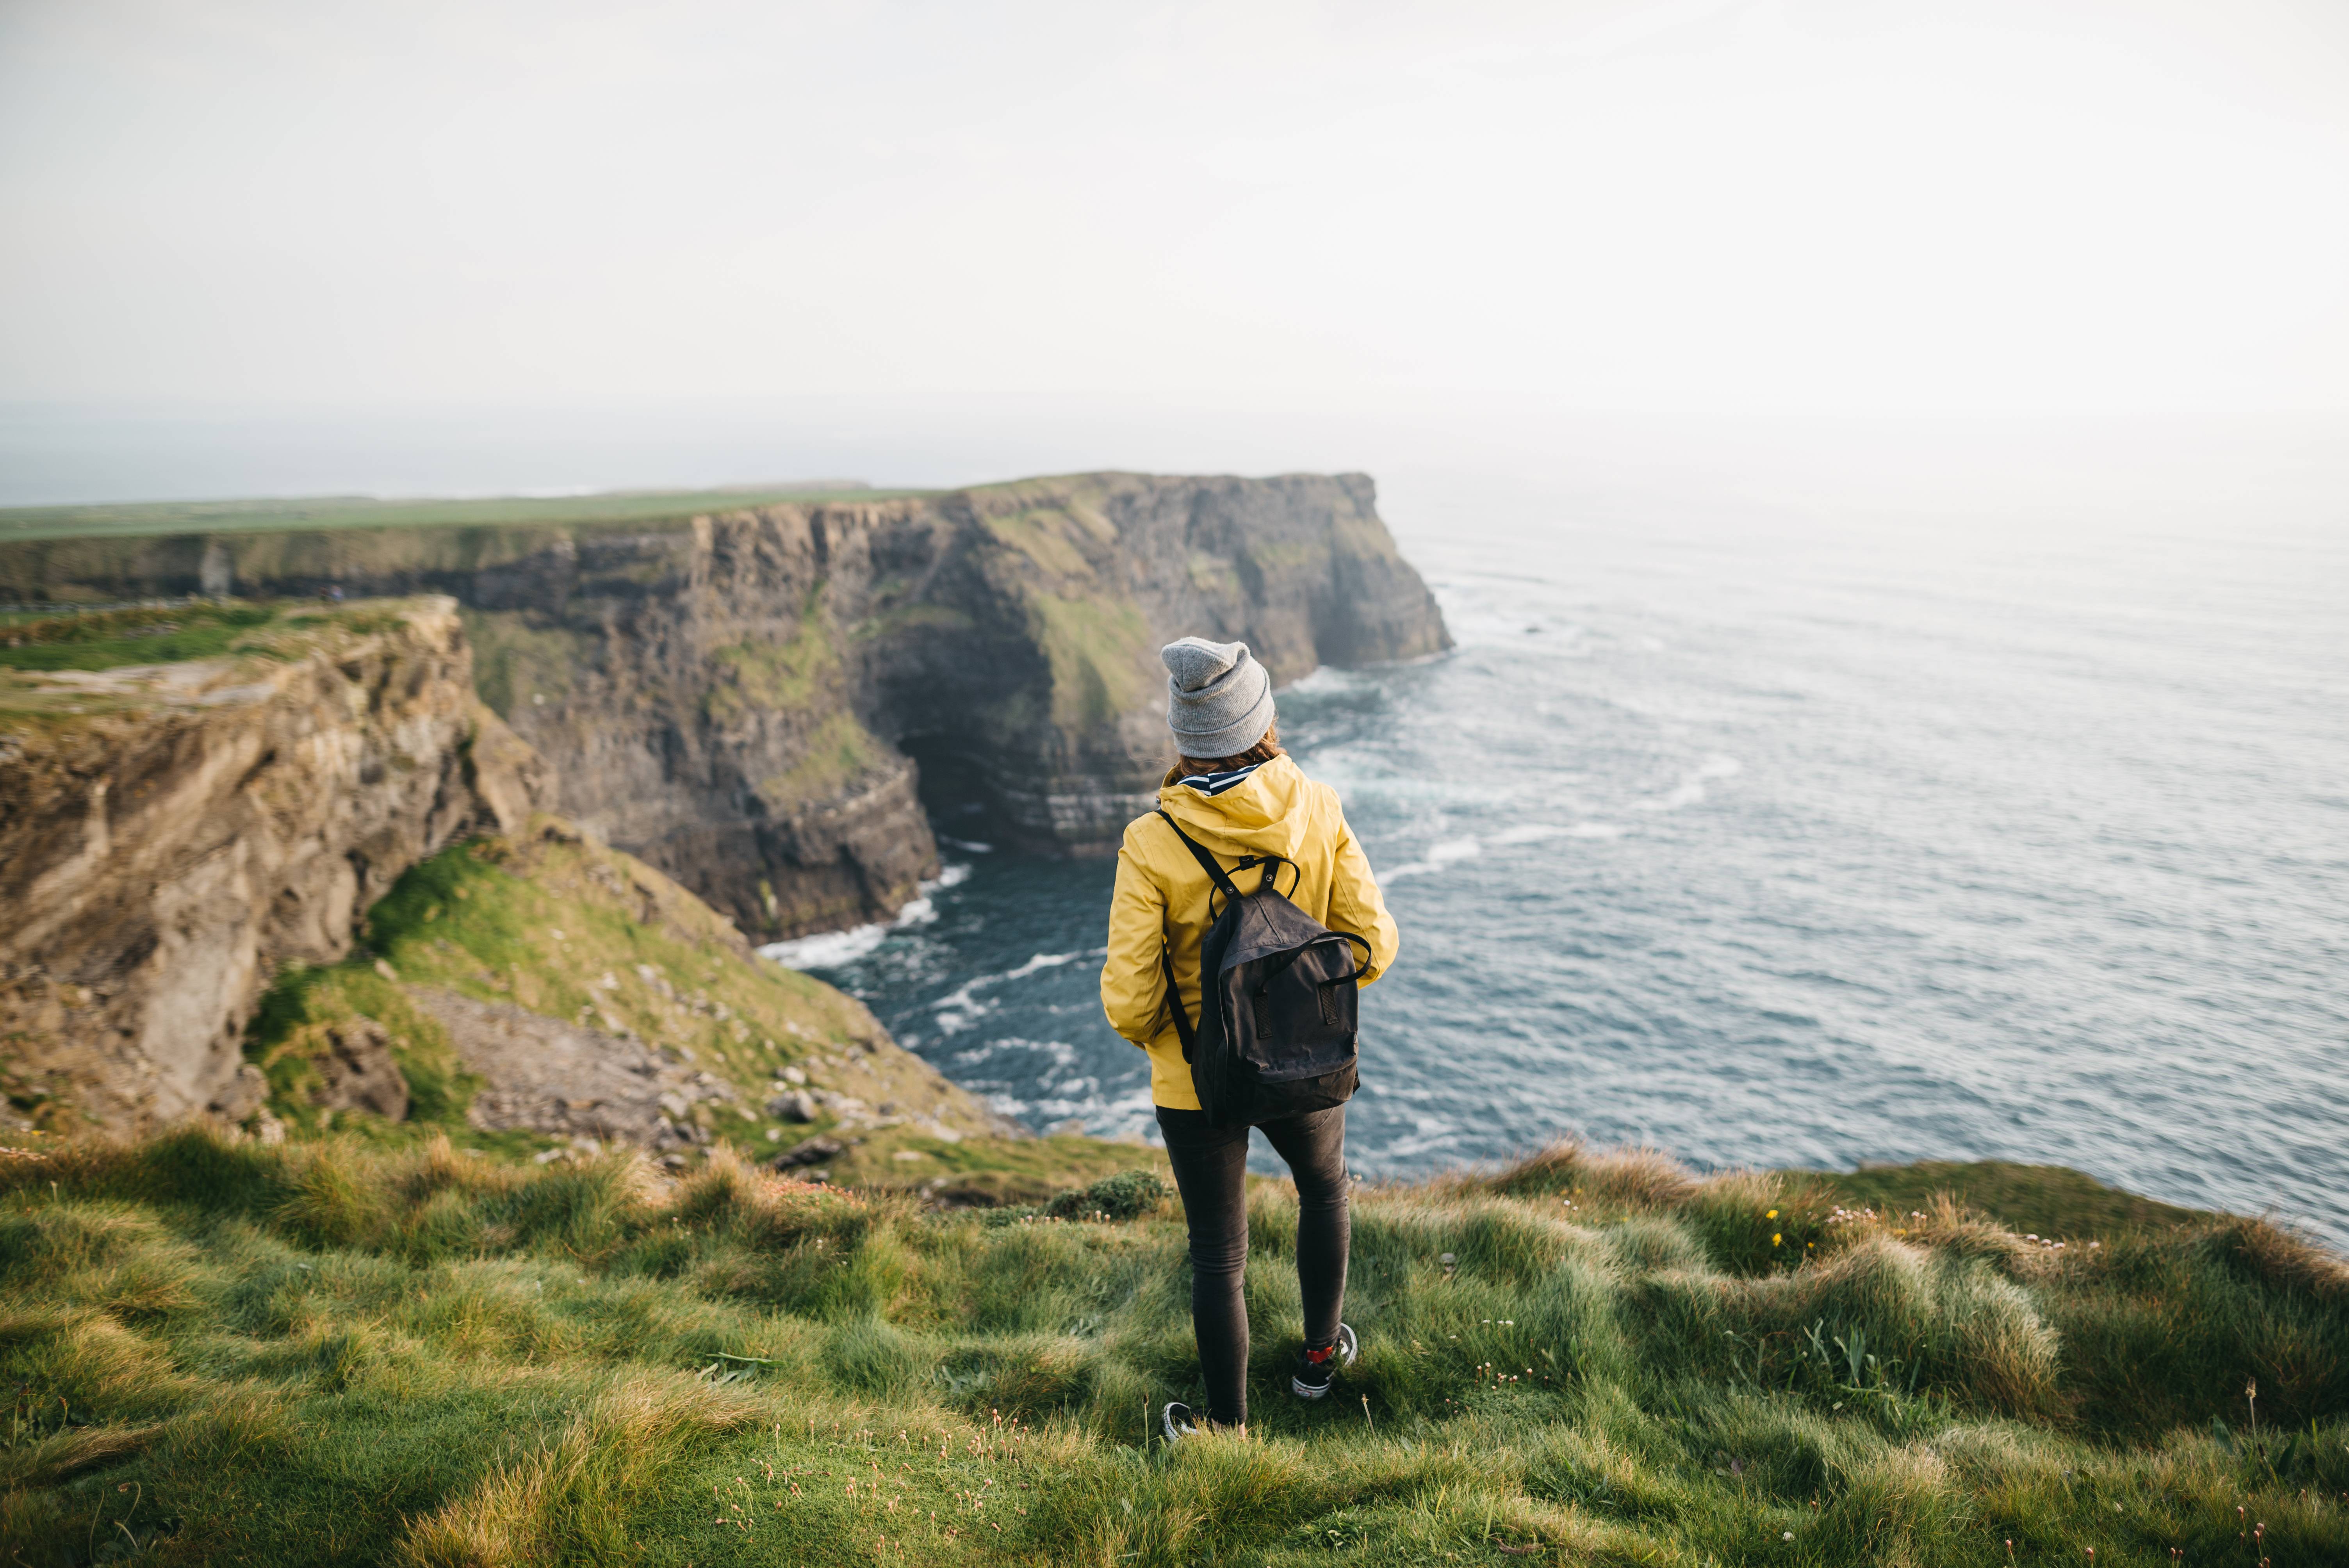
[1211, 1171]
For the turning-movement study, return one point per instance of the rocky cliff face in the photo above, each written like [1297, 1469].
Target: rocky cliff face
[741, 699]
[1013, 646]
[171, 832]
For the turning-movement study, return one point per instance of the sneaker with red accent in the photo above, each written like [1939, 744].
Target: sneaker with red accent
[1316, 1369]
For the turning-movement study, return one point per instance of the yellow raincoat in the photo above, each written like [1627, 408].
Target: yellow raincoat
[1162, 894]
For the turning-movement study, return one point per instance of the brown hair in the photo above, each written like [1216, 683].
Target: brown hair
[1264, 750]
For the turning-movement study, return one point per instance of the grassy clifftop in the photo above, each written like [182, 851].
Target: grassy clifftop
[133, 519]
[326, 1351]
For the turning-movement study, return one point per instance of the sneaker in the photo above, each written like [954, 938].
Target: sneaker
[1317, 1369]
[1176, 1421]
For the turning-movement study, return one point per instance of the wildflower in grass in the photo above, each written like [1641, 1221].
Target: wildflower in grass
[1777, 1236]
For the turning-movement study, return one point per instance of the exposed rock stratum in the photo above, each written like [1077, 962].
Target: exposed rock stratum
[169, 834]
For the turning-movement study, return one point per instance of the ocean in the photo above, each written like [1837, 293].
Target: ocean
[1774, 840]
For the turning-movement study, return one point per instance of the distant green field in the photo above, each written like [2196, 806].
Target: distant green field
[135, 519]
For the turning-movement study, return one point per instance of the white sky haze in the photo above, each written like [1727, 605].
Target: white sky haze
[1813, 205]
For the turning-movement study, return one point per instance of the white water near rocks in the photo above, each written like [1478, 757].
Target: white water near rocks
[1785, 844]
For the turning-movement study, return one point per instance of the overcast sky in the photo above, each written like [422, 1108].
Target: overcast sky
[1814, 204]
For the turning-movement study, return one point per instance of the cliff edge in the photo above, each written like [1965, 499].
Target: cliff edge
[758, 700]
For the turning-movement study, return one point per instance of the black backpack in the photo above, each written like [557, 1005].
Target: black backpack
[1277, 1012]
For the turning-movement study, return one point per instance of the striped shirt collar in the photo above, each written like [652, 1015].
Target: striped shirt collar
[1216, 783]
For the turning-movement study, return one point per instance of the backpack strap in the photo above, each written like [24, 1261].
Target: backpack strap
[1224, 883]
[1222, 878]
[1215, 873]
[1183, 1030]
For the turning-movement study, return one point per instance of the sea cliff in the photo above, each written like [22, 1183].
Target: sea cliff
[760, 700]
[280, 865]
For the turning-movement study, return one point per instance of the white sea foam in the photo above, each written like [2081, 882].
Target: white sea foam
[1059, 1055]
[1041, 961]
[833, 949]
[828, 949]
[960, 1008]
[1428, 1133]
[1326, 677]
[1537, 832]
[1364, 773]
[1119, 1106]
[1438, 856]
[1690, 790]
[968, 846]
[1124, 1113]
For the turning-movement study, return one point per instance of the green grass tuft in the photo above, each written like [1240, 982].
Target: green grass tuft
[340, 1349]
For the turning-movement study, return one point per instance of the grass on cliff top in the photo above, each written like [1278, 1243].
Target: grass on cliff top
[113, 639]
[327, 1352]
[273, 515]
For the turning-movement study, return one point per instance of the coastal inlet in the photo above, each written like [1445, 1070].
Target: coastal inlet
[1793, 848]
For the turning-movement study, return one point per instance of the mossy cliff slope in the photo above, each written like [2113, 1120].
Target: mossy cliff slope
[171, 831]
[739, 697]
[537, 992]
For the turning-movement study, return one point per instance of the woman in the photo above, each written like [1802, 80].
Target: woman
[1238, 794]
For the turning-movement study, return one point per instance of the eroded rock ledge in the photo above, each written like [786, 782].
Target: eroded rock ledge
[171, 833]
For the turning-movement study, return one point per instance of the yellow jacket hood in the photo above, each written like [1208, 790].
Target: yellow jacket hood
[1270, 813]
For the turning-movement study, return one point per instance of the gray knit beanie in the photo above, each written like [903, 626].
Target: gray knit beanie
[1219, 699]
